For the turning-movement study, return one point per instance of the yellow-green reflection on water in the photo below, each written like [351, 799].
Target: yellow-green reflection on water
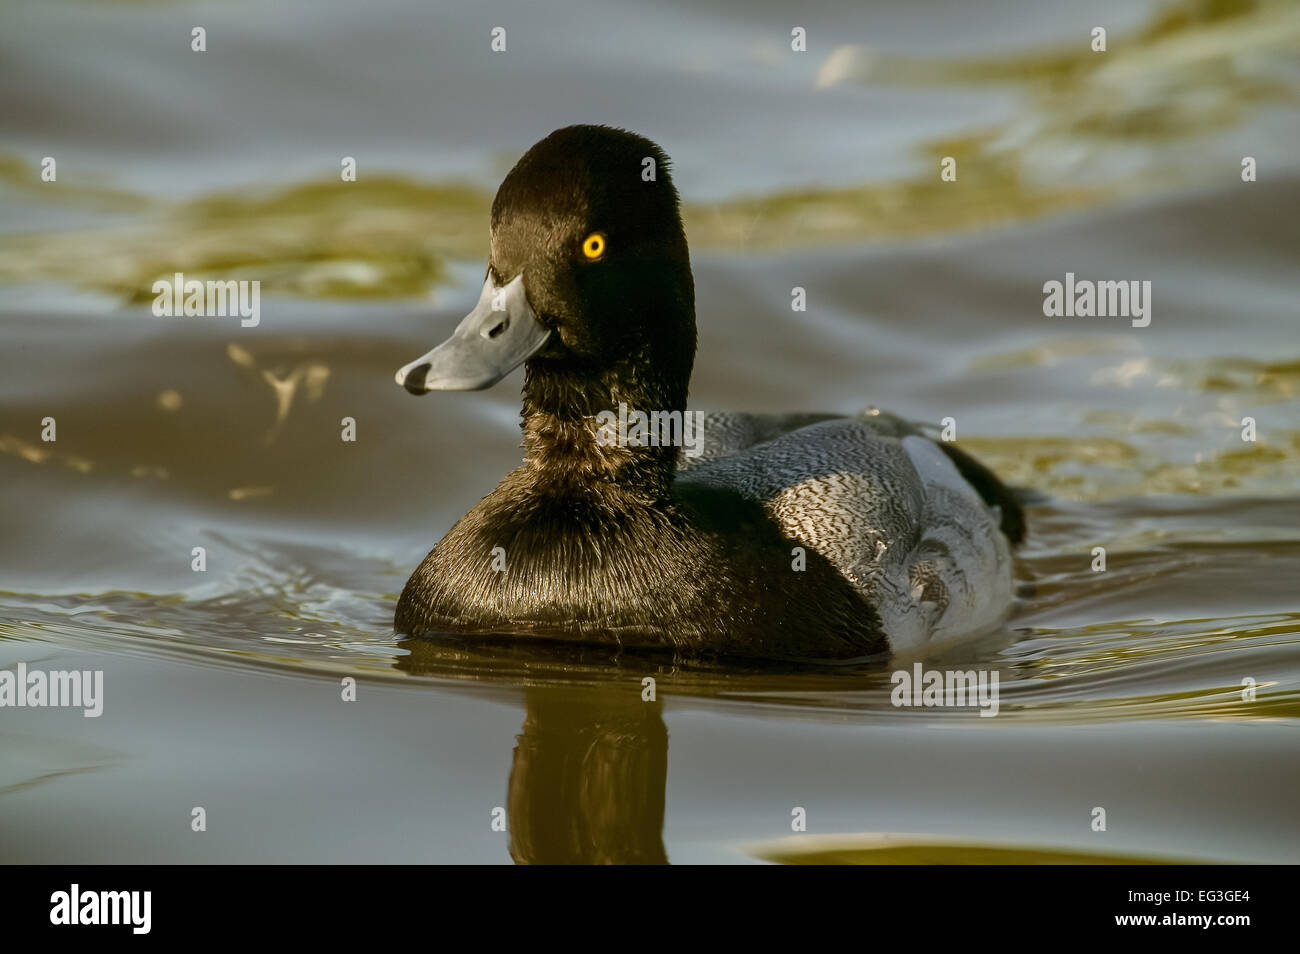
[909, 849]
[1151, 99]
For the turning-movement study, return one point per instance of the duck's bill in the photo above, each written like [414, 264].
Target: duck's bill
[499, 335]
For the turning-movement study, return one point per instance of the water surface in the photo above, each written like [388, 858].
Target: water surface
[1120, 689]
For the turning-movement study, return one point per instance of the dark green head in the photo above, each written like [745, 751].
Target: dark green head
[589, 282]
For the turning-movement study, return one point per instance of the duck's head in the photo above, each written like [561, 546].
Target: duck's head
[588, 282]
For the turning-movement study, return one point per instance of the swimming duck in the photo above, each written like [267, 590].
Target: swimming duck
[802, 536]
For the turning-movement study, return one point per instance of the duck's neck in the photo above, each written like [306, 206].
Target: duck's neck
[569, 447]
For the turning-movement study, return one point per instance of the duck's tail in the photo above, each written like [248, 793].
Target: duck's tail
[986, 483]
[993, 490]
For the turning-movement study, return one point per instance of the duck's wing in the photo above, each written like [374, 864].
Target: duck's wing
[890, 509]
[723, 433]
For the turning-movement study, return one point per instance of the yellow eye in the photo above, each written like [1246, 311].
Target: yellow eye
[593, 246]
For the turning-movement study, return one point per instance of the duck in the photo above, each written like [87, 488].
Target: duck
[801, 536]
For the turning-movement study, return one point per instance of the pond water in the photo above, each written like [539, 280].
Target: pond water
[1164, 689]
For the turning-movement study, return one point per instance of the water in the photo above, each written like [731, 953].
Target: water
[1120, 689]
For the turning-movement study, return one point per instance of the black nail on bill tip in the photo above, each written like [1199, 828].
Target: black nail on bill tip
[414, 380]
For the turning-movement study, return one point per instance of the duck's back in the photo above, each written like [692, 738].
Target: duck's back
[898, 515]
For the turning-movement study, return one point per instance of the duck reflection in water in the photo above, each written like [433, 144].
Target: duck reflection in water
[587, 782]
[590, 762]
